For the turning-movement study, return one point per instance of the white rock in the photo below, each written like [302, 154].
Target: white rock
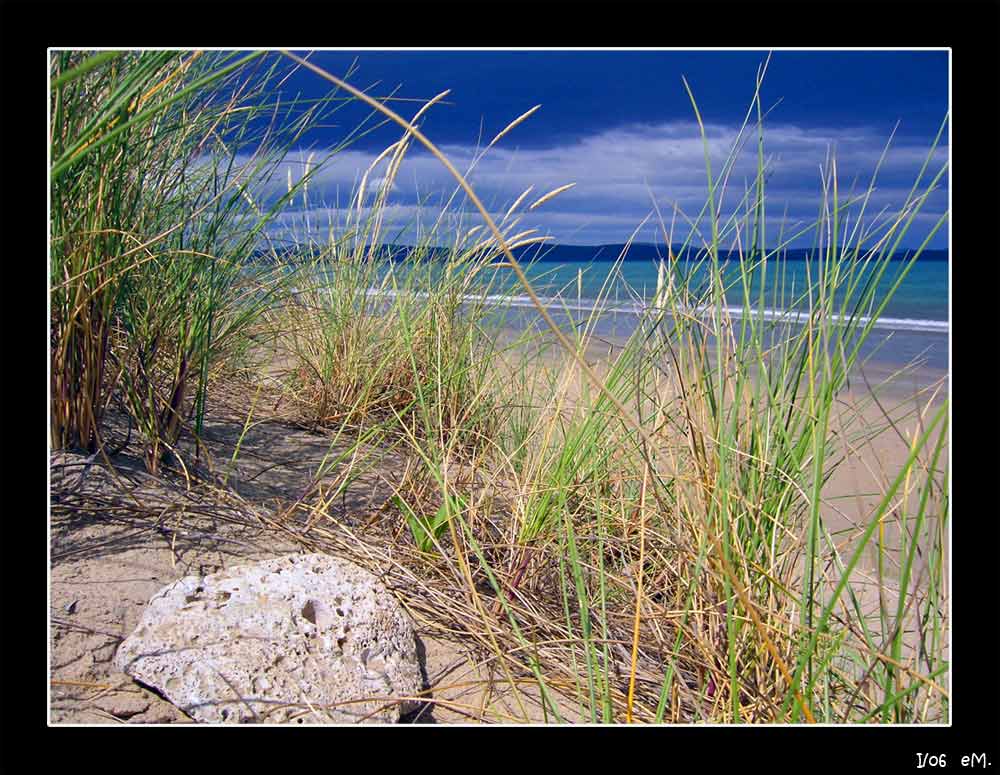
[262, 643]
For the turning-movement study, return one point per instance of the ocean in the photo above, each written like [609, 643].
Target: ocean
[911, 329]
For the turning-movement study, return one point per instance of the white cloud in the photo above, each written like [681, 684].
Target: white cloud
[618, 173]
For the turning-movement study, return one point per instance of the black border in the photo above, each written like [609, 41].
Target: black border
[971, 30]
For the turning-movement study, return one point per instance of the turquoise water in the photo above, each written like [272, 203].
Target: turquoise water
[912, 327]
[920, 302]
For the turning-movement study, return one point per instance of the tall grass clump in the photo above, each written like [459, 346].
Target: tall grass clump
[396, 342]
[653, 538]
[159, 161]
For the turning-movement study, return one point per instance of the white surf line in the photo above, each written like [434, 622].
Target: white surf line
[785, 316]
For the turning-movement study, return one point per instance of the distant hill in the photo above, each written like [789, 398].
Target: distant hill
[651, 252]
[638, 251]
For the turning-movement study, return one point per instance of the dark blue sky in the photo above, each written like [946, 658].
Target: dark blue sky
[586, 91]
[620, 125]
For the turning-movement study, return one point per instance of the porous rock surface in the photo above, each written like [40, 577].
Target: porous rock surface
[298, 639]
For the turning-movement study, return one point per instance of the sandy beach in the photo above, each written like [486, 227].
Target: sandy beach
[113, 548]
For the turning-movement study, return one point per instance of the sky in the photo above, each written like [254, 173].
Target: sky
[621, 127]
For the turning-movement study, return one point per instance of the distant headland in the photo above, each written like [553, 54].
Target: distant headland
[566, 254]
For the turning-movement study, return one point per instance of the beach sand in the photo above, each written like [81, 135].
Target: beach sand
[110, 552]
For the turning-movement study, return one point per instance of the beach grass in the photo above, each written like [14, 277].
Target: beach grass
[644, 535]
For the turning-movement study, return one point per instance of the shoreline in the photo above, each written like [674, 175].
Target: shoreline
[888, 376]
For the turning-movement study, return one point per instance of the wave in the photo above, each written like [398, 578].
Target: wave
[556, 304]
